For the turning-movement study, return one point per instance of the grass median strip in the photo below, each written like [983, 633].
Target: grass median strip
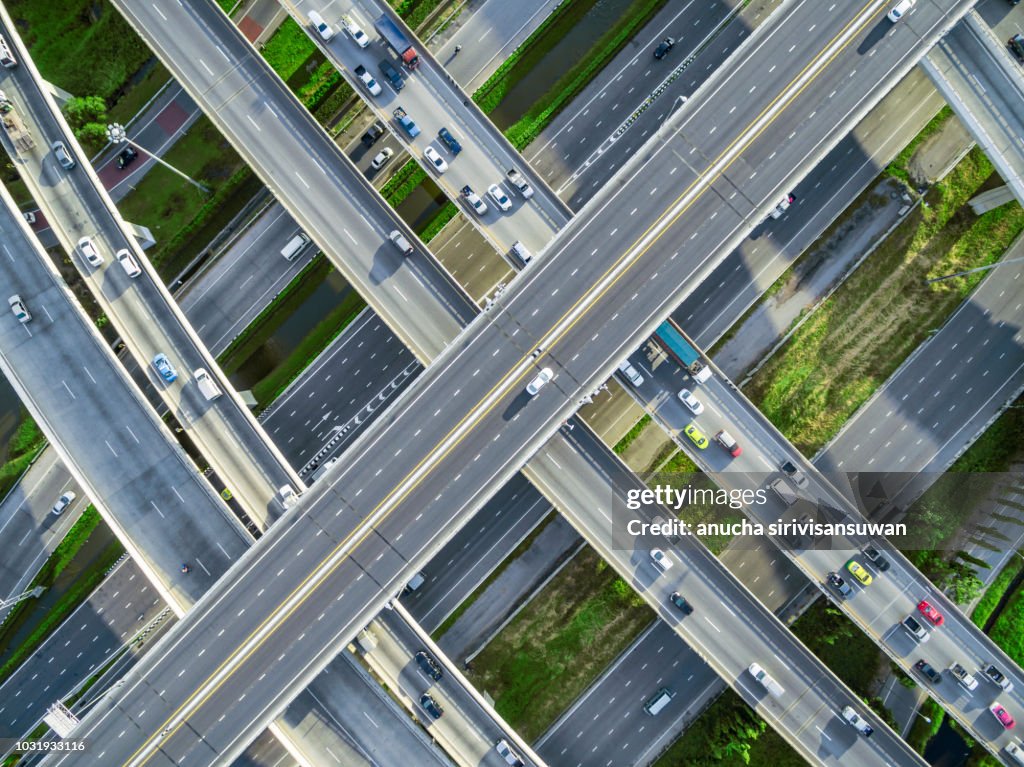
[863, 332]
[22, 447]
[548, 655]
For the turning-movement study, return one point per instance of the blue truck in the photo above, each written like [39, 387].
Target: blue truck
[411, 128]
[671, 339]
[397, 39]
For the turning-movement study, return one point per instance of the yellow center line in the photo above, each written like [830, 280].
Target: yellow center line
[281, 614]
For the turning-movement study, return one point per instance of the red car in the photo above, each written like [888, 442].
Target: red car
[1002, 715]
[930, 613]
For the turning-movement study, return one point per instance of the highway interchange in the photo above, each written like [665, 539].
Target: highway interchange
[539, 271]
[520, 397]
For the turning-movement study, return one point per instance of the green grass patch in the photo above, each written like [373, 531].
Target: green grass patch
[83, 46]
[995, 450]
[923, 730]
[415, 12]
[22, 448]
[288, 48]
[729, 734]
[881, 313]
[898, 167]
[78, 592]
[553, 650]
[307, 350]
[466, 603]
[840, 645]
[447, 212]
[996, 591]
[585, 66]
[271, 318]
[144, 88]
[172, 208]
[630, 436]
[1008, 629]
[402, 183]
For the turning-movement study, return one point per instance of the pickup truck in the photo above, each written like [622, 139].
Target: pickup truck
[963, 676]
[367, 80]
[520, 183]
[411, 128]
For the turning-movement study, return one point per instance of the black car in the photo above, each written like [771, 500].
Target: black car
[682, 604]
[933, 676]
[449, 141]
[428, 665]
[393, 75]
[431, 706]
[373, 134]
[664, 47]
[876, 559]
[836, 582]
[126, 157]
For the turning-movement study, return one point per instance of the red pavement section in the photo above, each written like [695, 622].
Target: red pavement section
[250, 29]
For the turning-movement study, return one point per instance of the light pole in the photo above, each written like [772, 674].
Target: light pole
[118, 135]
[971, 271]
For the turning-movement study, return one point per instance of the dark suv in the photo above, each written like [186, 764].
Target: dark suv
[392, 74]
[449, 141]
[664, 47]
[428, 665]
[375, 132]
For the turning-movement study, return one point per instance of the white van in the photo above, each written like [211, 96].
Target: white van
[782, 489]
[400, 242]
[657, 703]
[510, 756]
[6, 57]
[325, 30]
[295, 246]
[128, 262]
[519, 251]
[206, 384]
[774, 688]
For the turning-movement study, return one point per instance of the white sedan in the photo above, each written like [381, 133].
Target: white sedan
[501, 199]
[692, 403]
[435, 159]
[355, 32]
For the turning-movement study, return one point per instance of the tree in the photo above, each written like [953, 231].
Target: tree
[87, 116]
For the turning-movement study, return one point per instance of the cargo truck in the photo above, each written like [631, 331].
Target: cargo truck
[676, 346]
[396, 38]
[15, 128]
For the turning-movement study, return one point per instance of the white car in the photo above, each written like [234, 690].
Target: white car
[631, 373]
[18, 307]
[382, 158]
[538, 382]
[857, 721]
[501, 199]
[693, 404]
[63, 502]
[322, 28]
[367, 80]
[478, 205]
[661, 560]
[355, 31]
[89, 252]
[901, 9]
[435, 159]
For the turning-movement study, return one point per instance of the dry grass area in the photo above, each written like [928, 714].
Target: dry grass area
[552, 651]
[860, 335]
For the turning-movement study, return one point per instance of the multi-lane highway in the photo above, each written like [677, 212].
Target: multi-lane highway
[137, 302]
[518, 314]
[435, 102]
[299, 162]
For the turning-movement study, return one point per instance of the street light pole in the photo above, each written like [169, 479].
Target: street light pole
[971, 271]
[118, 135]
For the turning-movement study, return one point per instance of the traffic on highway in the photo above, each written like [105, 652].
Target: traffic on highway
[607, 387]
